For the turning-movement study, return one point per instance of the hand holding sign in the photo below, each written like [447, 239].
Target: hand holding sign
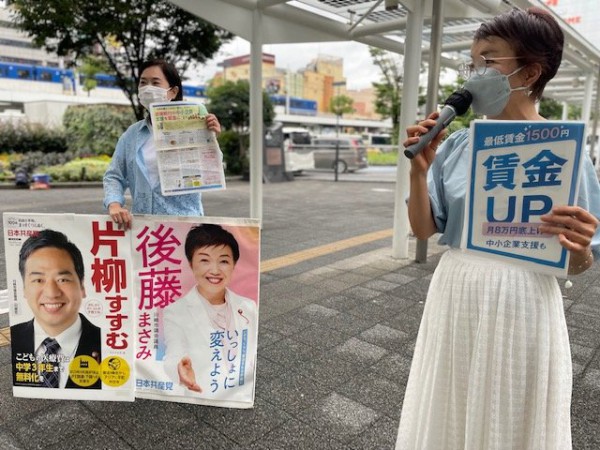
[575, 228]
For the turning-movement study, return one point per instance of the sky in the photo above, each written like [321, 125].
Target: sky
[359, 70]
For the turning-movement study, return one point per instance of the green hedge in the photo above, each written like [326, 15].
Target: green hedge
[26, 138]
[95, 129]
[60, 166]
[86, 169]
[89, 130]
[383, 159]
[229, 143]
[31, 161]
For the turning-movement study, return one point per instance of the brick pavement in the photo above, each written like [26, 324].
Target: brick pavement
[336, 337]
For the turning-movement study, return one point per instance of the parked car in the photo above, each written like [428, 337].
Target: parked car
[352, 153]
[378, 142]
[297, 150]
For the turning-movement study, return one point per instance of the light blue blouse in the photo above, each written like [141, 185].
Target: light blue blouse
[447, 184]
[128, 170]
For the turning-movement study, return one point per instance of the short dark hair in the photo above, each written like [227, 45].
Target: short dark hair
[170, 72]
[535, 36]
[210, 235]
[52, 239]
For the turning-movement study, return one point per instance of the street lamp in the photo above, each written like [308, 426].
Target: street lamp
[338, 113]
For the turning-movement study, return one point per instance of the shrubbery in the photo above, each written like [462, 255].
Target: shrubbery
[5, 161]
[88, 130]
[95, 129]
[23, 137]
[86, 169]
[382, 158]
[81, 150]
[229, 142]
[33, 160]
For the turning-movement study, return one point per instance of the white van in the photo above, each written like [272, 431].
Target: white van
[379, 142]
[298, 151]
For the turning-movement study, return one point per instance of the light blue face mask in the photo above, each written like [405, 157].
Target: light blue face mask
[491, 91]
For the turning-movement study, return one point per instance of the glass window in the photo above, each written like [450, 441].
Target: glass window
[24, 74]
[45, 76]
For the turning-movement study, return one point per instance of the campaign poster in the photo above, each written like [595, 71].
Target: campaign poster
[518, 171]
[197, 298]
[70, 307]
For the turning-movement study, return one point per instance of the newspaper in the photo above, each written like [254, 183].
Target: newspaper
[188, 155]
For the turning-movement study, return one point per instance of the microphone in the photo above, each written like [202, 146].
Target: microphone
[456, 105]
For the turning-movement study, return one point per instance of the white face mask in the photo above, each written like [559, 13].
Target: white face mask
[490, 91]
[152, 94]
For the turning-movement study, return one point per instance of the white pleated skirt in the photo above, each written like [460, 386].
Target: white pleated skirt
[492, 364]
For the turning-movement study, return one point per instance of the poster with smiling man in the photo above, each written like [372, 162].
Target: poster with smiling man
[70, 307]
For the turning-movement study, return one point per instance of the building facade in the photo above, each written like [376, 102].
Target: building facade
[38, 86]
[320, 81]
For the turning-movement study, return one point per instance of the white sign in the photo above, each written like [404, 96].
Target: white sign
[518, 172]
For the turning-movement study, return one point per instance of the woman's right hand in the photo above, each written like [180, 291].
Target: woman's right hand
[121, 216]
[187, 376]
[212, 123]
[421, 162]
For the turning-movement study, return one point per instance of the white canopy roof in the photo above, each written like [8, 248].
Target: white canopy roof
[402, 26]
[368, 22]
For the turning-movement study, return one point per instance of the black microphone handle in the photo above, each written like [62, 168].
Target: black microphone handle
[447, 114]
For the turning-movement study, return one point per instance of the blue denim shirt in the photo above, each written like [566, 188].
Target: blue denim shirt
[128, 170]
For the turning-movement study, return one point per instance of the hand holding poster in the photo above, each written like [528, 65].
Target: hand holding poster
[518, 172]
[188, 155]
[70, 307]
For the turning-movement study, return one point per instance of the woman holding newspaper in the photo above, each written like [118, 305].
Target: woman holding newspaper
[492, 366]
[134, 163]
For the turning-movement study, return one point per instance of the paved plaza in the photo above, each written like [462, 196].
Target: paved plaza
[338, 323]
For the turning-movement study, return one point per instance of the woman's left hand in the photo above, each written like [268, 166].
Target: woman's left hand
[213, 123]
[574, 226]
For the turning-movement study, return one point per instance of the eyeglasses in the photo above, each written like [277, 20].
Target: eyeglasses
[480, 65]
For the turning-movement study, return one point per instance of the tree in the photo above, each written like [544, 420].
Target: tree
[341, 104]
[230, 102]
[551, 109]
[126, 33]
[91, 66]
[388, 92]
